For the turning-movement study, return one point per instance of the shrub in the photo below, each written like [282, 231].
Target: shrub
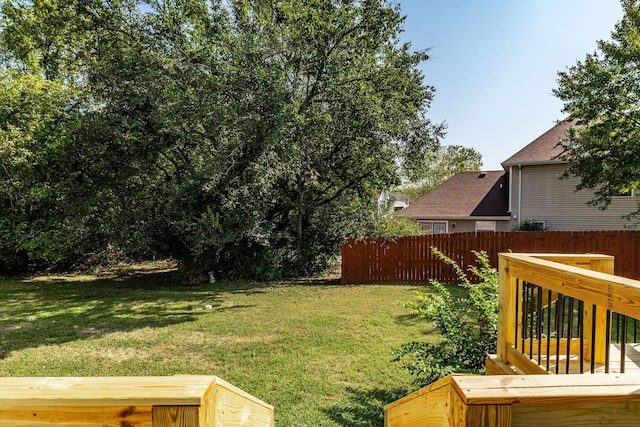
[391, 225]
[531, 225]
[467, 326]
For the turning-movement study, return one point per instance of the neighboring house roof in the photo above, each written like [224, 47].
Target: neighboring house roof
[392, 200]
[399, 197]
[544, 149]
[466, 194]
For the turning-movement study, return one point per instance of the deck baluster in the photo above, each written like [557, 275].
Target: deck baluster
[525, 308]
[581, 333]
[594, 311]
[539, 323]
[623, 344]
[549, 297]
[608, 343]
[531, 308]
[559, 328]
[569, 333]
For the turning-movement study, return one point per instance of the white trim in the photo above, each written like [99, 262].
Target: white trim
[535, 163]
[462, 218]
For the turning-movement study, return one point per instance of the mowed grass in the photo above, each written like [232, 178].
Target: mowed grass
[318, 351]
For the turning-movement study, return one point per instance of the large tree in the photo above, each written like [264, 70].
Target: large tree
[244, 137]
[603, 92]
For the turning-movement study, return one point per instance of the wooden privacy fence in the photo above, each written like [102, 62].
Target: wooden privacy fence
[410, 260]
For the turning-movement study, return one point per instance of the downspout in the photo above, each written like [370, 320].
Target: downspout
[519, 195]
[511, 190]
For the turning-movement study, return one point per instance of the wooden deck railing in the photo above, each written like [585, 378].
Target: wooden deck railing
[565, 314]
[558, 314]
[179, 401]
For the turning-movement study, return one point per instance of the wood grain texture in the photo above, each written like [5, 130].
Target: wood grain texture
[615, 293]
[539, 399]
[521, 400]
[425, 407]
[91, 391]
[236, 408]
[85, 416]
[583, 414]
[374, 260]
[175, 416]
[537, 389]
[488, 416]
[582, 276]
[178, 401]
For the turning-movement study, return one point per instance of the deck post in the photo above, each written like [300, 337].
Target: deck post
[506, 309]
[603, 265]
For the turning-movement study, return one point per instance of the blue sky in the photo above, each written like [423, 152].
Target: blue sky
[494, 64]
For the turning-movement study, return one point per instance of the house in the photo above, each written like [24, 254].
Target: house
[392, 201]
[533, 192]
[468, 201]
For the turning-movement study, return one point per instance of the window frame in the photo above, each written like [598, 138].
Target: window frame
[429, 226]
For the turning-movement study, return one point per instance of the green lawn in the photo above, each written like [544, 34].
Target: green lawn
[319, 352]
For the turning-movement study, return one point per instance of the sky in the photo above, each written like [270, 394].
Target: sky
[495, 63]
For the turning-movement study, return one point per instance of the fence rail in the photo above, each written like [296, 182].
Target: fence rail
[410, 260]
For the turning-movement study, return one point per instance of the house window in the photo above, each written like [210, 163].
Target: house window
[485, 226]
[433, 227]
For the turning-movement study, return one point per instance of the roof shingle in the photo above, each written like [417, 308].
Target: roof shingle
[465, 194]
[543, 149]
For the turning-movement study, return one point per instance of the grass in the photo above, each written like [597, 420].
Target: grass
[319, 352]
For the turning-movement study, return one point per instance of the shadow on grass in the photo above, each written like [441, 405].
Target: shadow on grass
[364, 407]
[49, 312]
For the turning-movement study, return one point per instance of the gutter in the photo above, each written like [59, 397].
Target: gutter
[464, 218]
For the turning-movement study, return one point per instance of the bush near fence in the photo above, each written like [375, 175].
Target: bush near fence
[410, 260]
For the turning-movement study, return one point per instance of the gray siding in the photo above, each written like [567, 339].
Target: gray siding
[505, 225]
[547, 198]
[462, 226]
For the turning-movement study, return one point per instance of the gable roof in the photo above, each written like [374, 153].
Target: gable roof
[544, 149]
[465, 194]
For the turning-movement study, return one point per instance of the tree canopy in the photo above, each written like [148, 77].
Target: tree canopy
[242, 137]
[603, 92]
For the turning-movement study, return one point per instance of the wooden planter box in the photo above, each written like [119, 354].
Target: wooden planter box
[178, 401]
[521, 401]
